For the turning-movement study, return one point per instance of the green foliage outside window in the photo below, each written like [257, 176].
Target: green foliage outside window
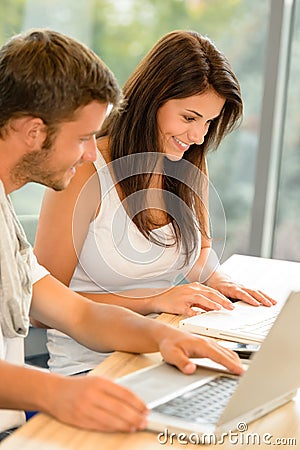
[122, 31]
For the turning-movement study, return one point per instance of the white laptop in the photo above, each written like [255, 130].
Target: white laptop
[246, 323]
[224, 400]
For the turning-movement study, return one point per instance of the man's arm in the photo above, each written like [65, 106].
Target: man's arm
[92, 403]
[107, 327]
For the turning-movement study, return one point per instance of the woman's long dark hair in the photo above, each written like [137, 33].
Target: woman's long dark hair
[180, 65]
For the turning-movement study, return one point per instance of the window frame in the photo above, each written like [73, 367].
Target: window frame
[270, 147]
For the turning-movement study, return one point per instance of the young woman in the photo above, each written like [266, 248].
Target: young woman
[135, 222]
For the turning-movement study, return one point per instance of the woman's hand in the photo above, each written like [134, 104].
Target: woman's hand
[183, 298]
[180, 300]
[238, 291]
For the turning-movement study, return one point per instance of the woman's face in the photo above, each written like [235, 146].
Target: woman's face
[183, 122]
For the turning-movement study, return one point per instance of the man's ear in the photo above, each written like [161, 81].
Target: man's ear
[34, 132]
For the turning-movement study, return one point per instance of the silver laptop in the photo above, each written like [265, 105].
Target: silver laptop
[246, 323]
[215, 402]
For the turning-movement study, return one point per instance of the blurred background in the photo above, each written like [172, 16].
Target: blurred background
[256, 170]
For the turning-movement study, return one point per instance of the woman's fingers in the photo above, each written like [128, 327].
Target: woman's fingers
[210, 298]
[252, 296]
[185, 298]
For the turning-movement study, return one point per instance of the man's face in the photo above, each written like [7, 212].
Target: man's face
[74, 143]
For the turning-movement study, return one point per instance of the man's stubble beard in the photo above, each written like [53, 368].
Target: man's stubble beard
[31, 168]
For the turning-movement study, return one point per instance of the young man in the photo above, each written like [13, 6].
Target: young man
[54, 94]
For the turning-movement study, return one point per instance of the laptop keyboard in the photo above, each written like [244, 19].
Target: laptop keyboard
[261, 327]
[203, 404]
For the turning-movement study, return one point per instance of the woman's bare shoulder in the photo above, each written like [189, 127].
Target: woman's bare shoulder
[103, 148]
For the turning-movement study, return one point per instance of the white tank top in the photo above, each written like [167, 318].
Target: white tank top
[115, 257]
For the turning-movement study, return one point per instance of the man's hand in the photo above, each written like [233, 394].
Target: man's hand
[95, 403]
[177, 347]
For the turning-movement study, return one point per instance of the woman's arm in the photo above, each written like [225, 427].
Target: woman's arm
[63, 225]
[62, 229]
[64, 221]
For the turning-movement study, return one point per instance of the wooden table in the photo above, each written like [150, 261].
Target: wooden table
[282, 426]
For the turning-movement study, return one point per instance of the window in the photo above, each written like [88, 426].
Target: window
[287, 231]
[122, 31]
